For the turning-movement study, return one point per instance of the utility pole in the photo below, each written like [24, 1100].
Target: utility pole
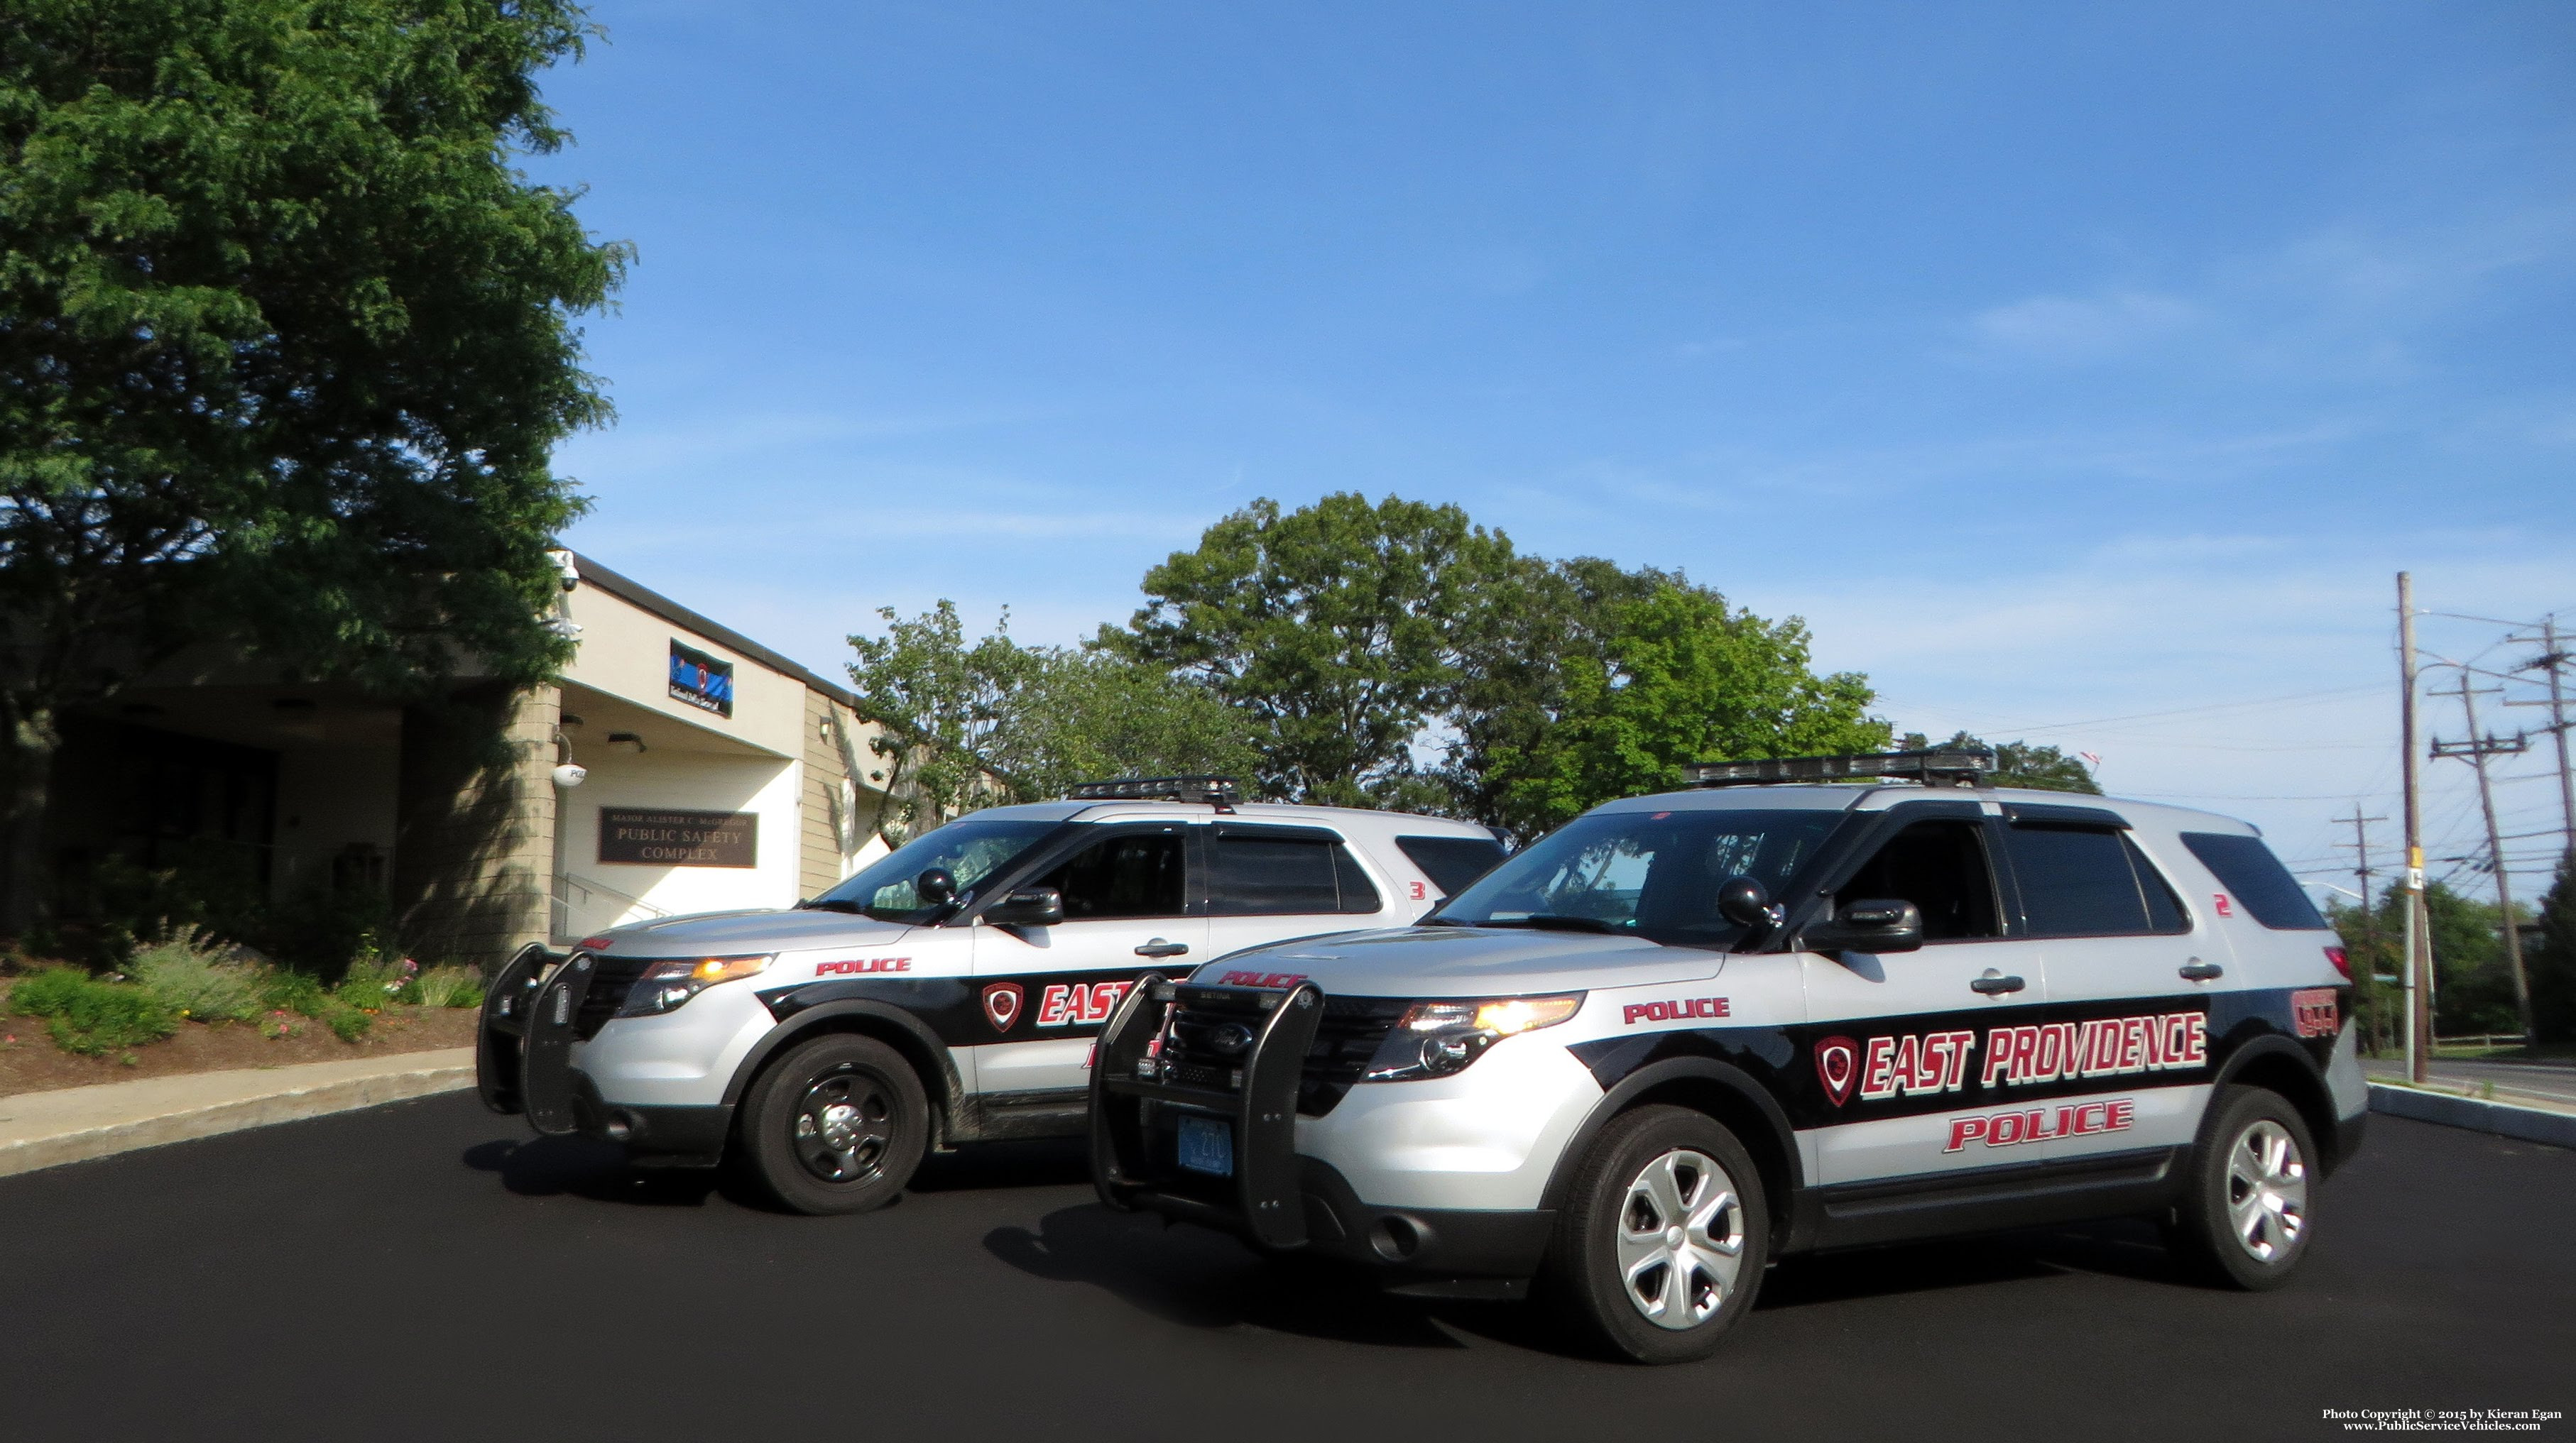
[2418, 968]
[2361, 879]
[2477, 749]
[2553, 659]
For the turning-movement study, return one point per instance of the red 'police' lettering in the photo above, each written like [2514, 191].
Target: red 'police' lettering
[2043, 1124]
[1677, 1010]
[854, 966]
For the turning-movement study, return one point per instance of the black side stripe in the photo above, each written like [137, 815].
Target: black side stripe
[1802, 1065]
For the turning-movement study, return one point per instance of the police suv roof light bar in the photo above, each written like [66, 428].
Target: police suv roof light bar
[1219, 790]
[1934, 767]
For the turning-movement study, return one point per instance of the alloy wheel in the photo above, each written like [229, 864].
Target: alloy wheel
[1681, 1240]
[2267, 1191]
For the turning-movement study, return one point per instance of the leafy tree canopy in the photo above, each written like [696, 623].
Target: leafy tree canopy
[967, 725]
[2024, 764]
[285, 342]
[1331, 625]
[1678, 676]
[1365, 637]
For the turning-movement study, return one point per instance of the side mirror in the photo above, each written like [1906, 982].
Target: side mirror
[1875, 924]
[1746, 903]
[1030, 907]
[936, 886]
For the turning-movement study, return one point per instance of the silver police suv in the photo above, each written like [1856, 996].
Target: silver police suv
[949, 993]
[1690, 1033]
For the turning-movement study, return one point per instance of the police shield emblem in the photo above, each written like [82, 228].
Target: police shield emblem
[1837, 1064]
[1002, 1005]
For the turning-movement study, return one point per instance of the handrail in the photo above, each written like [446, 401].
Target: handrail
[561, 922]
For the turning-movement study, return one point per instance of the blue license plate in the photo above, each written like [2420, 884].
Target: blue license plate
[1207, 1145]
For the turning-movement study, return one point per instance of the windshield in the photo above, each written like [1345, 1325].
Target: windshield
[1645, 874]
[971, 850]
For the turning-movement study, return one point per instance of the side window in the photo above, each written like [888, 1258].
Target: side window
[1452, 863]
[2247, 868]
[2164, 910]
[1130, 876]
[2088, 882]
[1941, 868]
[1282, 875]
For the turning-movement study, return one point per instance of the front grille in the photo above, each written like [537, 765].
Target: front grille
[611, 978]
[1345, 1039]
[1344, 1042]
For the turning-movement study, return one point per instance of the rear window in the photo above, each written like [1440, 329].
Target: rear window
[1452, 863]
[2257, 879]
[2088, 882]
[1283, 873]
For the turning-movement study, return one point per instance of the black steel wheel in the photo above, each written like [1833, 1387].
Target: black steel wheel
[836, 1125]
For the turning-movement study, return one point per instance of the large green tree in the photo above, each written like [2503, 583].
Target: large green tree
[969, 724]
[1366, 638]
[2023, 764]
[1333, 626]
[1679, 676]
[286, 339]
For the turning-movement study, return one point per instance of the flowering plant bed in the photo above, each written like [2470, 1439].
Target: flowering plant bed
[193, 1004]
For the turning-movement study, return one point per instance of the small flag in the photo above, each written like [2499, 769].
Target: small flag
[2091, 759]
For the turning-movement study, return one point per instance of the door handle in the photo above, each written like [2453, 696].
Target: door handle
[1994, 983]
[1160, 948]
[2196, 970]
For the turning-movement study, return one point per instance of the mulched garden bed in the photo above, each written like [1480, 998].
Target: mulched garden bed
[29, 1061]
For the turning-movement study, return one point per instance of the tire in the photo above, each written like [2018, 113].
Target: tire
[839, 1089]
[2247, 1218]
[1661, 1245]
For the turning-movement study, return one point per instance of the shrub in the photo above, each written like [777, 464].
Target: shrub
[348, 1023]
[89, 1016]
[375, 978]
[450, 986]
[197, 978]
[298, 992]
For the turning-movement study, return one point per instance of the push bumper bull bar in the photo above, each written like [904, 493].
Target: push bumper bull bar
[1165, 1058]
[523, 1047]
[1142, 1089]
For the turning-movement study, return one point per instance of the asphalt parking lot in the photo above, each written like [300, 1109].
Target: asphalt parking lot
[426, 1270]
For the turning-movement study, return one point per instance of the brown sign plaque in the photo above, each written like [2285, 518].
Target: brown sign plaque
[652, 837]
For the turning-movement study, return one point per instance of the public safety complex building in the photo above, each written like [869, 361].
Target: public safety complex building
[713, 773]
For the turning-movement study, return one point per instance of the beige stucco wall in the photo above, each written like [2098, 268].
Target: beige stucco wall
[625, 651]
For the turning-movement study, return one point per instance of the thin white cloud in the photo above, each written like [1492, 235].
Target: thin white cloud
[2084, 328]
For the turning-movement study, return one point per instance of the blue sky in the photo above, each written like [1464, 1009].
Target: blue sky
[2060, 365]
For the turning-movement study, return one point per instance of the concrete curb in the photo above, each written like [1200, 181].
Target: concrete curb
[2504, 1119]
[75, 1124]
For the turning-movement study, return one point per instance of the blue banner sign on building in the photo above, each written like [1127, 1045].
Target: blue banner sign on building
[703, 681]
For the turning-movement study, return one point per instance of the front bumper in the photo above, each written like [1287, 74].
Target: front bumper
[1433, 1186]
[653, 1084]
[688, 1136]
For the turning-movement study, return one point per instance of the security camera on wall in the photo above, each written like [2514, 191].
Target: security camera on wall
[571, 774]
[567, 568]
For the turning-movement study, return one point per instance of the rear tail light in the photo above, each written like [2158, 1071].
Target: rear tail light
[2342, 963]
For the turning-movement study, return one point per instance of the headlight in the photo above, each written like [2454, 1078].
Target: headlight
[665, 986]
[1435, 1039]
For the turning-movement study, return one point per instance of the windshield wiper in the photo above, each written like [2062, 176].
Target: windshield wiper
[1557, 922]
[830, 904]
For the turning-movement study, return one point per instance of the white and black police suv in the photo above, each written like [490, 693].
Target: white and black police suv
[1617, 1067]
[949, 993]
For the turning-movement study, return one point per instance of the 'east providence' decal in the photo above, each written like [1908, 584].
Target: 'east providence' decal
[1914, 1064]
